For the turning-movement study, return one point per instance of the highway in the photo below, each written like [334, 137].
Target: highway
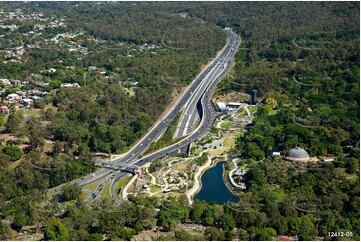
[199, 91]
[220, 67]
[188, 101]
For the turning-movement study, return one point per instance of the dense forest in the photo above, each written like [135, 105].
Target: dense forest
[302, 57]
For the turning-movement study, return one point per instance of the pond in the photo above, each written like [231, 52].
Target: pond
[213, 187]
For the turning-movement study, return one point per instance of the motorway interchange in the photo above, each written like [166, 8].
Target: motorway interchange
[197, 93]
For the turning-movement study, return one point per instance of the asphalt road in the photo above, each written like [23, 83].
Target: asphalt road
[198, 91]
[220, 66]
[209, 76]
[84, 180]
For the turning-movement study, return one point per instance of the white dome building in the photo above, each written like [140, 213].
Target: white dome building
[297, 154]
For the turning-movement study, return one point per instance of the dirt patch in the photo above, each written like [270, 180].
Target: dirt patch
[150, 235]
[183, 15]
[48, 146]
[6, 137]
[234, 97]
[193, 228]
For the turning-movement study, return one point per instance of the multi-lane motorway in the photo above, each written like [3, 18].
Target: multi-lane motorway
[199, 91]
[188, 101]
[212, 75]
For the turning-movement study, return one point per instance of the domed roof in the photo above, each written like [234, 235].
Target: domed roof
[298, 152]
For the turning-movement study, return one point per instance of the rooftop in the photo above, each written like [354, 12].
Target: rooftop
[221, 105]
[298, 153]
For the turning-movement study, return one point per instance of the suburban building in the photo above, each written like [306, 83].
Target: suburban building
[206, 146]
[4, 108]
[13, 97]
[238, 173]
[234, 105]
[328, 159]
[27, 101]
[222, 107]
[70, 85]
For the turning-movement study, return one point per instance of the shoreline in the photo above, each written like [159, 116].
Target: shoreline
[226, 182]
[198, 178]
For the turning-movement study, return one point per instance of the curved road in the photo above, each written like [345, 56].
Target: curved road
[208, 115]
[207, 79]
[198, 91]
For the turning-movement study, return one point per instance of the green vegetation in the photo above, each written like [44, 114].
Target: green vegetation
[13, 123]
[55, 230]
[154, 188]
[167, 137]
[252, 108]
[70, 192]
[228, 144]
[101, 116]
[12, 151]
[225, 124]
[105, 193]
[201, 160]
[242, 111]
[93, 186]
[123, 182]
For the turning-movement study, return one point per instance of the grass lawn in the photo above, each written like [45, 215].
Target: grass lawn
[274, 112]
[84, 196]
[105, 193]
[15, 164]
[242, 111]
[181, 166]
[32, 112]
[93, 186]
[123, 182]
[228, 144]
[252, 108]
[225, 125]
[154, 188]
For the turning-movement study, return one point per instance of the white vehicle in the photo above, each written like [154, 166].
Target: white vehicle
[167, 190]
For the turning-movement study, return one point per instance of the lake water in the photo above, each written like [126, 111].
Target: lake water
[213, 187]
